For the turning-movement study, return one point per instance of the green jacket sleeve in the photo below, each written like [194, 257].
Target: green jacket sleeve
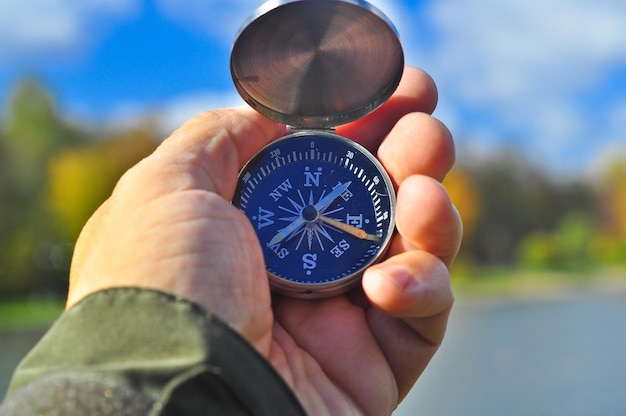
[131, 351]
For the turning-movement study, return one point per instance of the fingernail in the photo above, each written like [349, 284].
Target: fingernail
[401, 276]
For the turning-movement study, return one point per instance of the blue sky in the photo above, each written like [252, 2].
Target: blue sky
[544, 76]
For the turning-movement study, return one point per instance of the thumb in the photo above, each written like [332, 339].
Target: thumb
[209, 150]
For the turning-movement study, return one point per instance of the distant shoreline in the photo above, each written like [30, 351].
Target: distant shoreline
[537, 285]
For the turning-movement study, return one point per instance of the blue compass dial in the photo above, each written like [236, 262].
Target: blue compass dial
[322, 208]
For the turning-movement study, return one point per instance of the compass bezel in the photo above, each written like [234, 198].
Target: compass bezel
[338, 285]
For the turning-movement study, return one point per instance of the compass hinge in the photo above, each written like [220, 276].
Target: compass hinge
[301, 129]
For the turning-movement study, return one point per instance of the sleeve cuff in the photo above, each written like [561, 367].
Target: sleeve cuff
[166, 348]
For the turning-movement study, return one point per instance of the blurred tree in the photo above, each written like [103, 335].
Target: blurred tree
[566, 248]
[81, 179]
[10, 217]
[464, 195]
[613, 190]
[608, 249]
[610, 245]
[52, 176]
[32, 132]
[517, 199]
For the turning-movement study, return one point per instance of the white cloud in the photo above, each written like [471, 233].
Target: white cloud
[222, 20]
[217, 18]
[31, 27]
[167, 115]
[182, 108]
[501, 49]
[530, 66]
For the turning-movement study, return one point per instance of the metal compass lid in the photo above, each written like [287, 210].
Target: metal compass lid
[316, 63]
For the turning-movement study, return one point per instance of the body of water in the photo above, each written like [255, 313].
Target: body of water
[13, 346]
[563, 355]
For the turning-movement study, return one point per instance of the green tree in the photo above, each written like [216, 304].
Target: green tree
[516, 200]
[53, 174]
[81, 179]
[566, 248]
[32, 132]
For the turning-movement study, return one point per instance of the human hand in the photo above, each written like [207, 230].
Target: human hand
[169, 225]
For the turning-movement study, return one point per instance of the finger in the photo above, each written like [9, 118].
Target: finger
[426, 220]
[410, 285]
[414, 286]
[208, 151]
[240, 126]
[417, 144]
[415, 93]
[413, 283]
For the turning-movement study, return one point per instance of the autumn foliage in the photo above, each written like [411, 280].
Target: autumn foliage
[53, 175]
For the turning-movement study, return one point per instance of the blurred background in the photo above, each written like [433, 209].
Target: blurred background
[533, 91]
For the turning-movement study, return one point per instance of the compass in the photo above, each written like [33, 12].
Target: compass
[322, 206]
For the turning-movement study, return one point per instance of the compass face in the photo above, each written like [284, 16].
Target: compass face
[322, 208]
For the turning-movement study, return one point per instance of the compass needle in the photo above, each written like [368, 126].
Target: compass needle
[357, 232]
[287, 231]
[277, 239]
[328, 199]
